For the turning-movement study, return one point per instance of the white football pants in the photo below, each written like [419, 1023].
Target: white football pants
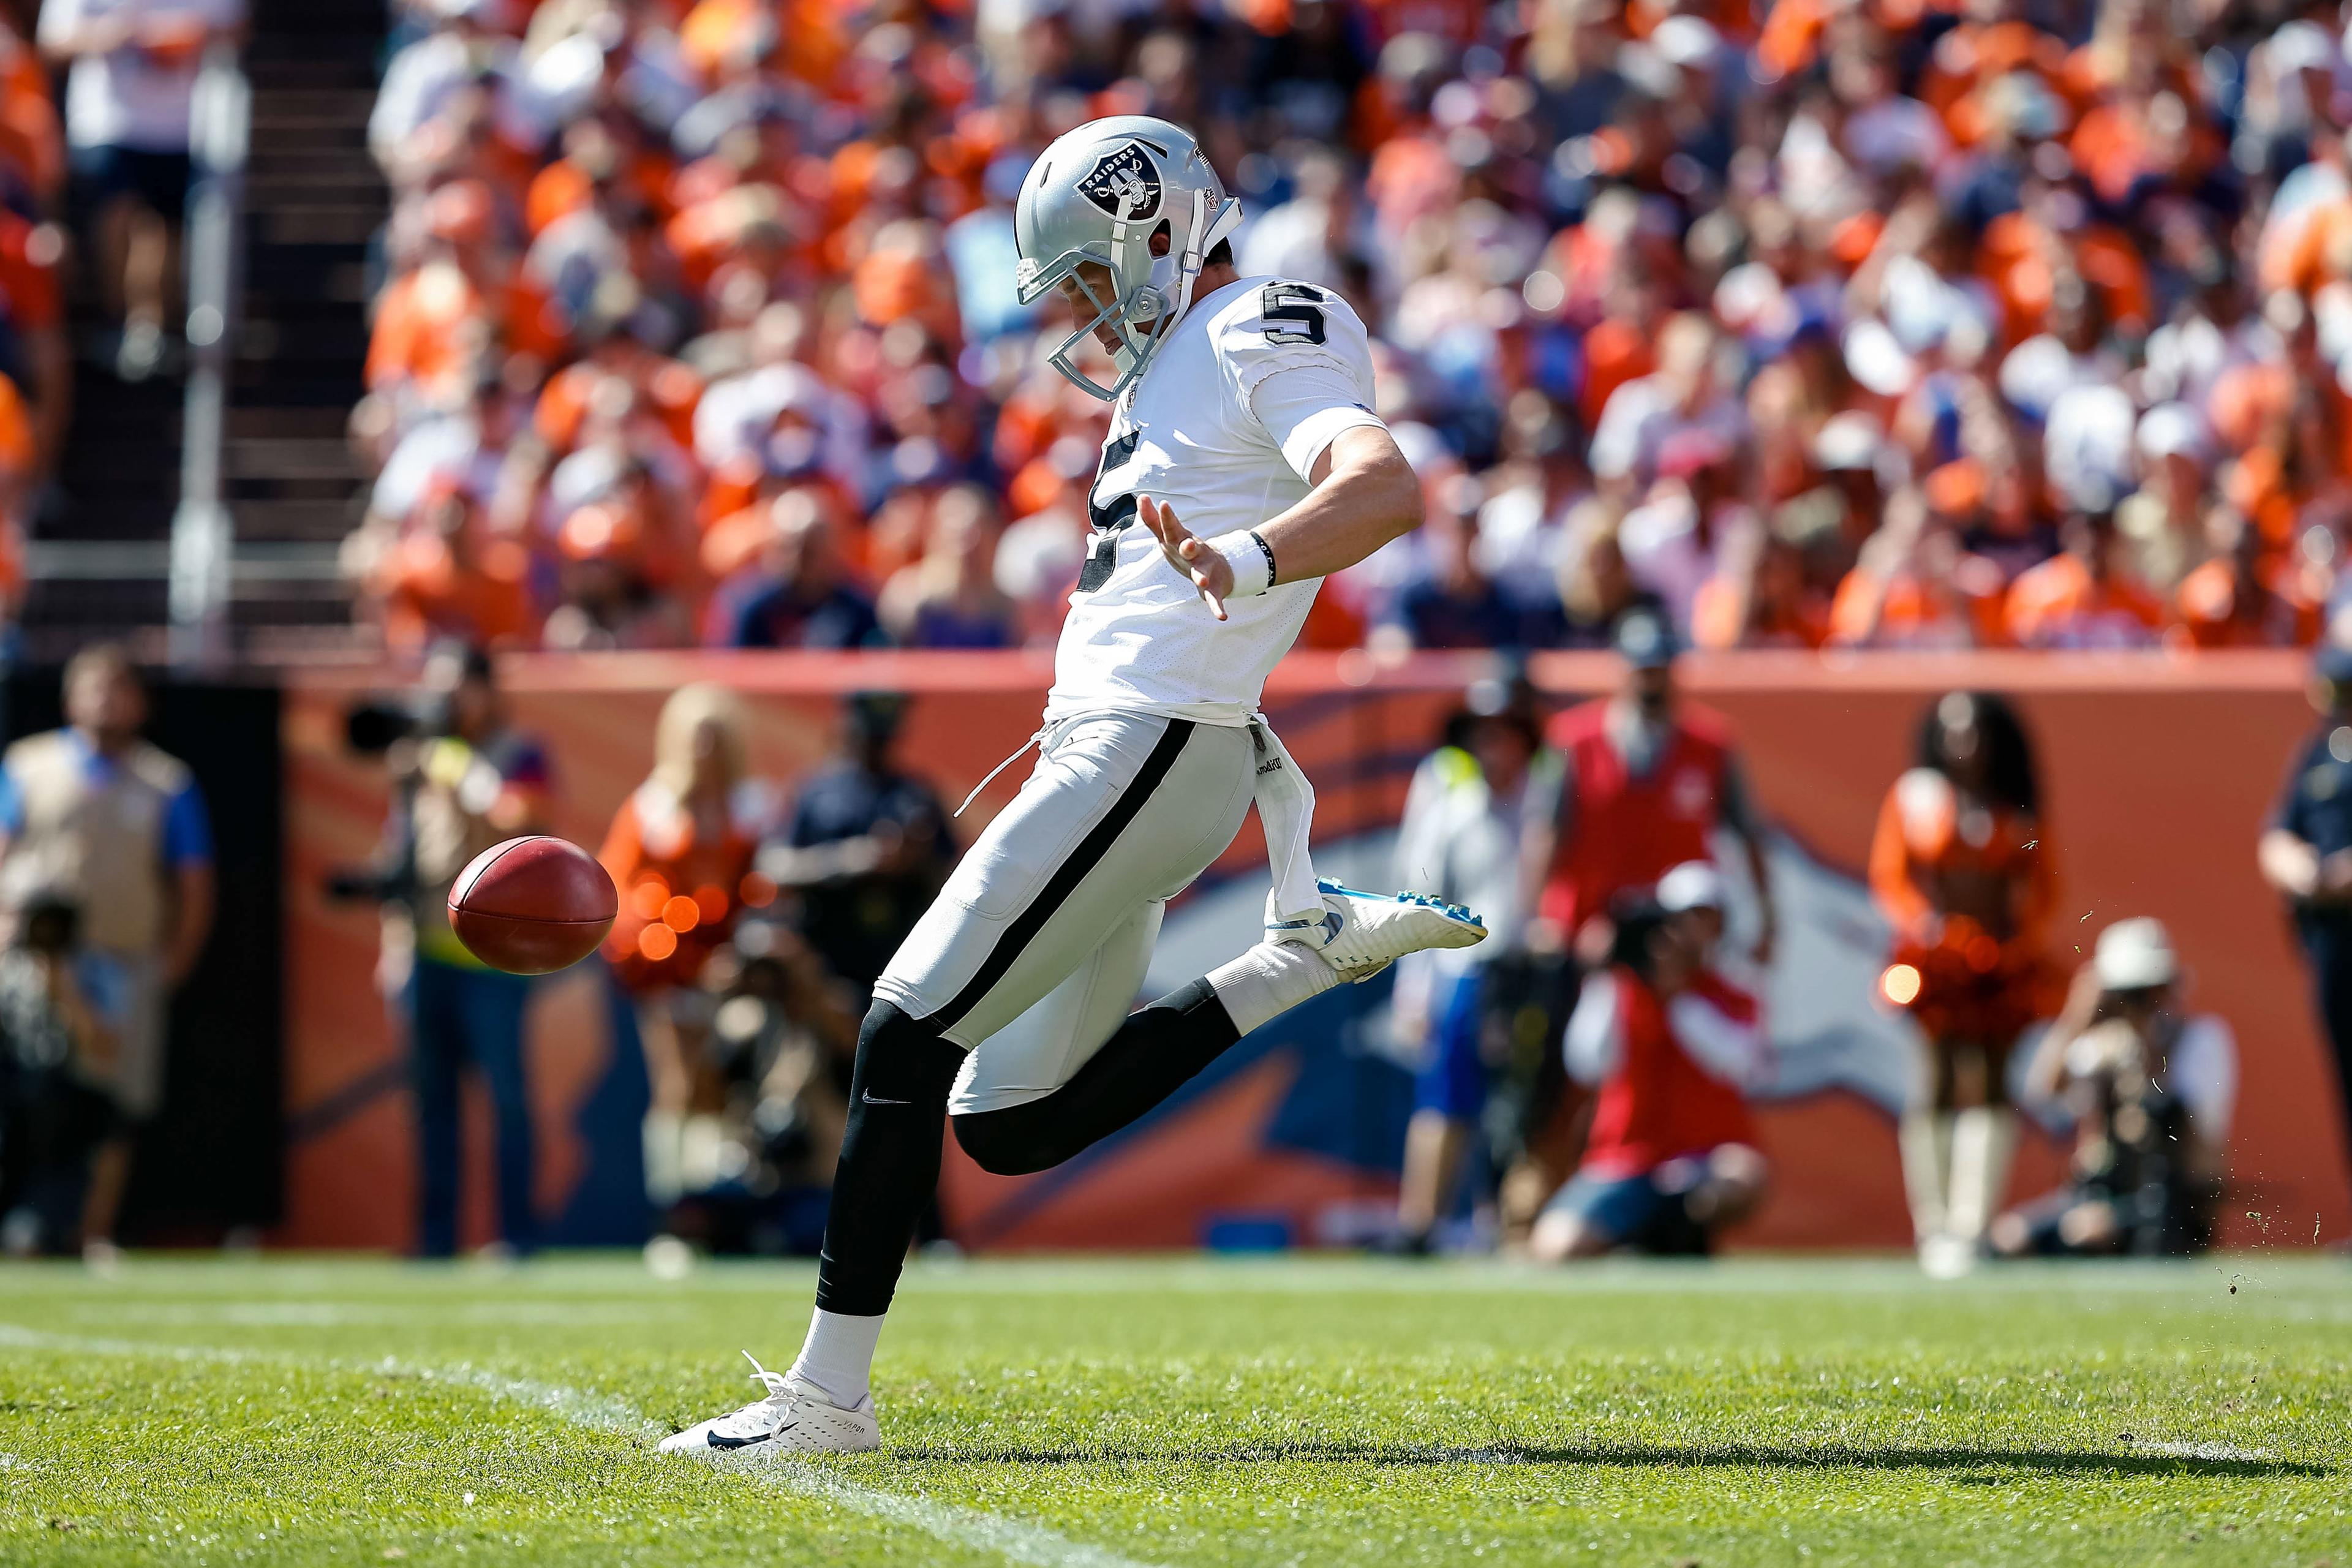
[1032, 954]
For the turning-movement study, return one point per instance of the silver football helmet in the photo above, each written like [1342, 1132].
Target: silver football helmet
[1100, 193]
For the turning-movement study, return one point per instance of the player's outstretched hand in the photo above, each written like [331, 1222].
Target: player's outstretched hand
[1204, 566]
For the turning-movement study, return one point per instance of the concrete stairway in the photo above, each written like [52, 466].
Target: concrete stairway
[313, 203]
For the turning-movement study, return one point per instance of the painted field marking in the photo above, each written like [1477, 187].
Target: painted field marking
[967, 1527]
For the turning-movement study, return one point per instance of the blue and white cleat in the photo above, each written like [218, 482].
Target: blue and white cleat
[1375, 929]
[795, 1417]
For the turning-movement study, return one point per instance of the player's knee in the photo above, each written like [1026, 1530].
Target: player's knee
[901, 1060]
[1003, 1142]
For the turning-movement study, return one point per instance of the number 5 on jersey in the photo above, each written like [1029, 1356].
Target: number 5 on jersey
[1108, 513]
[1298, 306]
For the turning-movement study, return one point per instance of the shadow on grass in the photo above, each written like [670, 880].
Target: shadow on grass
[1999, 1463]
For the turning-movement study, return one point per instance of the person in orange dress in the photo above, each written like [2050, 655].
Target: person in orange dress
[681, 853]
[1963, 872]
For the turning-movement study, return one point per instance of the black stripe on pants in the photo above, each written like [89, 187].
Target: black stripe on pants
[1069, 874]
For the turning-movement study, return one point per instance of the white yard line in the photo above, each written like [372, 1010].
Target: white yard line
[966, 1527]
[2219, 1451]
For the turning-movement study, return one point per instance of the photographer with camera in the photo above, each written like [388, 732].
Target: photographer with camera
[2151, 1089]
[60, 1035]
[1672, 1049]
[96, 814]
[771, 1100]
[463, 780]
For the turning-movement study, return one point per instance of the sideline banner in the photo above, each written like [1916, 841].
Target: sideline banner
[2157, 774]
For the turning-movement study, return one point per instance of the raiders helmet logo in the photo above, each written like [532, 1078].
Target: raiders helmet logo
[1125, 183]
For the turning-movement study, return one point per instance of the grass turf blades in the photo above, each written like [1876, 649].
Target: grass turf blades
[1192, 1412]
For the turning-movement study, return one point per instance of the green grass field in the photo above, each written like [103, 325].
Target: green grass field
[1094, 1415]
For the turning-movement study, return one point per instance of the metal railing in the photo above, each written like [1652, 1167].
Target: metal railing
[203, 535]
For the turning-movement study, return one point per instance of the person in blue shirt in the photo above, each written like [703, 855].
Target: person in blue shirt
[801, 595]
[2306, 855]
[95, 813]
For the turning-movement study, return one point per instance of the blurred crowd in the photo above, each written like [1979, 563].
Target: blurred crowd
[36, 394]
[1852, 322]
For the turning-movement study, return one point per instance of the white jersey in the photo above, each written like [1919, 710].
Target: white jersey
[1233, 411]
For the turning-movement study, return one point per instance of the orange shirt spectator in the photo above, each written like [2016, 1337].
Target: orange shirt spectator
[32, 141]
[681, 848]
[2076, 599]
[17, 449]
[1906, 610]
[2225, 602]
[432, 591]
[672, 390]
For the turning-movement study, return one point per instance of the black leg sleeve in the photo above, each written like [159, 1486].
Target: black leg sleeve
[1153, 1054]
[890, 1159]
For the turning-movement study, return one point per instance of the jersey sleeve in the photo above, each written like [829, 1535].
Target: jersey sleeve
[1299, 362]
[187, 829]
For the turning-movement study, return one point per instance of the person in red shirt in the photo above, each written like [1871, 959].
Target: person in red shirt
[34, 351]
[1639, 784]
[1674, 1046]
[1645, 782]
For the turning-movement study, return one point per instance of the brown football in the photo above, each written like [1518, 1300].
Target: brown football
[532, 906]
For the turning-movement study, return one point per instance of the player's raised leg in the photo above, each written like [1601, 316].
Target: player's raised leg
[1079, 1066]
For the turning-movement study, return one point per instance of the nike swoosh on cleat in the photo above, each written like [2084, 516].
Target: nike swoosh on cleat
[716, 1441]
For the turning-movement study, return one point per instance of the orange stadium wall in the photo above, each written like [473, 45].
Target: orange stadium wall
[2158, 774]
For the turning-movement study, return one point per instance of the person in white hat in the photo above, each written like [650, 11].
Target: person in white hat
[2151, 1089]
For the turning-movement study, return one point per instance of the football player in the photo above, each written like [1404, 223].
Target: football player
[1244, 463]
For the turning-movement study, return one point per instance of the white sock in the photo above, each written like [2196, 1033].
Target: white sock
[1983, 1138]
[1924, 1140]
[839, 1355]
[1269, 980]
[664, 1136]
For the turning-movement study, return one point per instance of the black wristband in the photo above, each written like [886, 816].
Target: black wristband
[1272, 574]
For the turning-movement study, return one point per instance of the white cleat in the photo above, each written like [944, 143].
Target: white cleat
[796, 1418]
[1368, 932]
